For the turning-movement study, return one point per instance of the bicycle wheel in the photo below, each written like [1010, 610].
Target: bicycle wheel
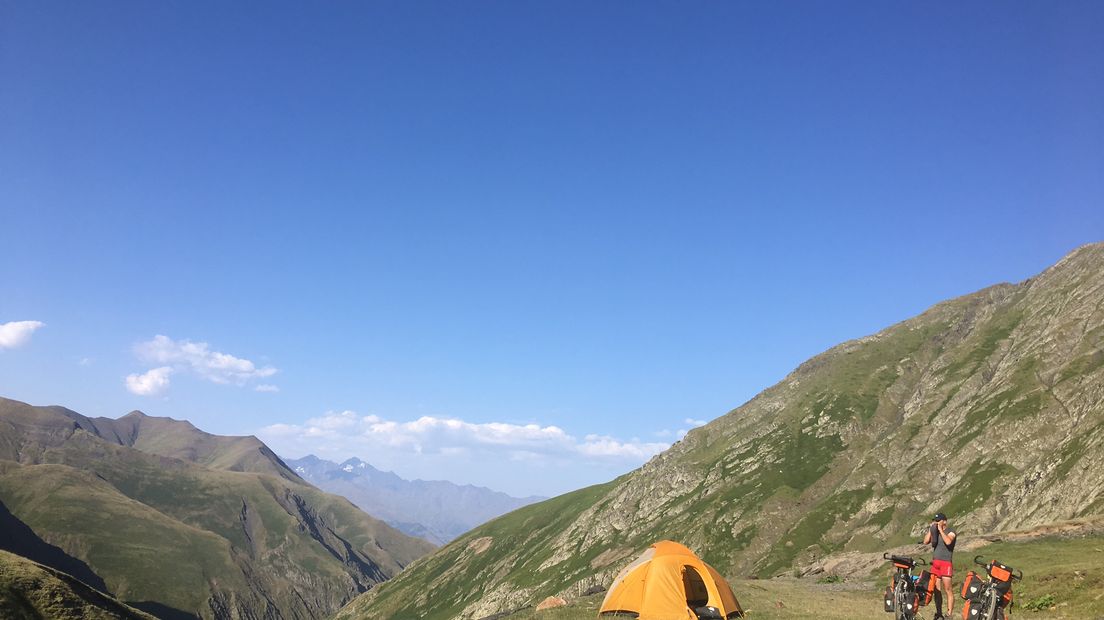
[899, 602]
[991, 607]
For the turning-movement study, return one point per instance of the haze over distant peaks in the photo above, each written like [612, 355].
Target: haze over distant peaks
[435, 510]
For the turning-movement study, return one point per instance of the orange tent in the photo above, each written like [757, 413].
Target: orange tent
[667, 582]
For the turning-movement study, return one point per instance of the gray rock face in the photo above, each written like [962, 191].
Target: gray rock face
[988, 407]
[437, 511]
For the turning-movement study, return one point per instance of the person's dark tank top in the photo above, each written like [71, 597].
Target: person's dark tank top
[940, 549]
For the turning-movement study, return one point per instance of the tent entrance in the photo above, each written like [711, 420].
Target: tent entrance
[694, 586]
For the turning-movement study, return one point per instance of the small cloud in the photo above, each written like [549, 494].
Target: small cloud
[151, 383]
[694, 423]
[198, 358]
[85, 361]
[17, 333]
[603, 446]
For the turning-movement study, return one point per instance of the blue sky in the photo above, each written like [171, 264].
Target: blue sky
[517, 244]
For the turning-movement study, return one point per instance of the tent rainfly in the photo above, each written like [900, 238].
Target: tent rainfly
[669, 582]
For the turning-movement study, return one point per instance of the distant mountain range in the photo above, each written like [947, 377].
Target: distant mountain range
[989, 407]
[180, 523]
[437, 511]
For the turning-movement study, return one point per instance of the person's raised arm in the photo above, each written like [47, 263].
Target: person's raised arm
[947, 537]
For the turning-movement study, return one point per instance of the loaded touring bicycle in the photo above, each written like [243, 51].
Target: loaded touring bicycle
[907, 593]
[989, 598]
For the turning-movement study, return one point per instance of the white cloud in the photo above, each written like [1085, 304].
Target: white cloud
[348, 433]
[522, 459]
[602, 446]
[680, 433]
[17, 333]
[198, 358]
[151, 383]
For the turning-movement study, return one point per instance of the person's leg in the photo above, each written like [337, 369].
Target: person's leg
[937, 597]
[948, 595]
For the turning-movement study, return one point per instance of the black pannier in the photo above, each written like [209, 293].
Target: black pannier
[925, 587]
[971, 588]
[889, 599]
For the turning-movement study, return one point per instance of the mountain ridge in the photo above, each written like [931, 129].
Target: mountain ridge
[982, 406]
[194, 525]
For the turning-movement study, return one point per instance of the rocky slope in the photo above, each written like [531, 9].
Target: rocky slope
[181, 523]
[989, 407]
[435, 510]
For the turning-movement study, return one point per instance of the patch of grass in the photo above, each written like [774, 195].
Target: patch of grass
[984, 344]
[883, 517]
[812, 530]
[975, 487]
[1045, 601]
[999, 411]
[1083, 366]
[1067, 573]
[1071, 454]
[30, 591]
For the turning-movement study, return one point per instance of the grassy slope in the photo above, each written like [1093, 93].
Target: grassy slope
[30, 591]
[158, 529]
[136, 549]
[507, 546]
[1069, 570]
[165, 535]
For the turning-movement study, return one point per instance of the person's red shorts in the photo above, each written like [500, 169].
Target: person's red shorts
[941, 568]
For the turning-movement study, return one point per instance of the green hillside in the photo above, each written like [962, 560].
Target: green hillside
[30, 591]
[983, 407]
[182, 539]
[1063, 581]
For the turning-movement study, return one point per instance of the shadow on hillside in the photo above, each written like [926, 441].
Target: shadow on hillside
[18, 538]
[164, 612]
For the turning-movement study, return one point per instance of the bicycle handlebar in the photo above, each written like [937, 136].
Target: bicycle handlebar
[977, 560]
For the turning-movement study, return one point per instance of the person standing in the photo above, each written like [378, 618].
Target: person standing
[942, 539]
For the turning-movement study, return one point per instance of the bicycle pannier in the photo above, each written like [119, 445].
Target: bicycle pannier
[972, 586]
[889, 599]
[925, 586]
[1005, 600]
[1000, 572]
[912, 603]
